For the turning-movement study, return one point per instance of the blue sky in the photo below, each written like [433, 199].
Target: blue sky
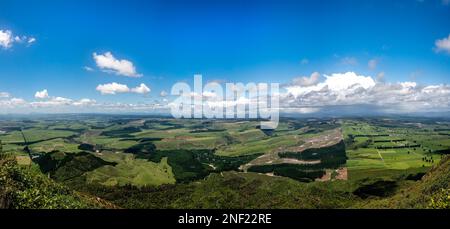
[233, 41]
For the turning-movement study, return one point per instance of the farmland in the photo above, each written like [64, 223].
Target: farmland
[391, 146]
[107, 154]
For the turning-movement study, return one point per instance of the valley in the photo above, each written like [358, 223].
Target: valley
[158, 162]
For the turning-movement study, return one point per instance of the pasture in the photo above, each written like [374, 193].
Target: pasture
[374, 147]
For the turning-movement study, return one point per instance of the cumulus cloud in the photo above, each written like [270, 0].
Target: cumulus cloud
[443, 45]
[336, 83]
[44, 100]
[116, 88]
[84, 102]
[307, 81]
[41, 94]
[343, 89]
[349, 90]
[7, 39]
[7, 101]
[108, 63]
[11, 102]
[17, 101]
[66, 105]
[53, 101]
[141, 89]
[307, 95]
[112, 88]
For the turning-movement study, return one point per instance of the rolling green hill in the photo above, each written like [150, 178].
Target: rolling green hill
[230, 190]
[26, 188]
[250, 190]
[169, 163]
[432, 191]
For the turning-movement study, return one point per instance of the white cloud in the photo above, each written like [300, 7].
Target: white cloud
[54, 101]
[307, 81]
[67, 105]
[337, 83]
[8, 102]
[372, 64]
[344, 89]
[348, 80]
[116, 88]
[84, 102]
[89, 69]
[301, 110]
[141, 89]
[41, 94]
[24, 39]
[209, 94]
[108, 63]
[6, 38]
[445, 2]
[443, 45]
[31, 40]
[62, 102]
[12, 103]
[112, 88]
[17, 101]
[45, 101]
[4, 95]
[408, 84]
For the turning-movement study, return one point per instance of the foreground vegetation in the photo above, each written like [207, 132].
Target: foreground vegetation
[25, 187]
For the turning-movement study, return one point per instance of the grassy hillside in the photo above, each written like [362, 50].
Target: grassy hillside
[250, 190]
[230, 190]
[64, 166]
[433, 191]
[131, 170]
[26, 188]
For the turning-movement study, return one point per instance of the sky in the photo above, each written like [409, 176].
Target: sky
[112, 56]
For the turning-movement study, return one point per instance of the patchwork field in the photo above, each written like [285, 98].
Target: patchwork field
[148, 152]
[392, 146]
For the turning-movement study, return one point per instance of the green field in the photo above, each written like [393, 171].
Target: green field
[130, 170]
[98, 153]
[396, 147]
